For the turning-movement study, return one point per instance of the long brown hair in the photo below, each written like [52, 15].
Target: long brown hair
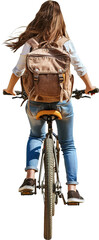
[48, 25]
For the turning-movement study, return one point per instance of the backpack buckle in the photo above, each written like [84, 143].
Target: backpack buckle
[61, 78]
[36, 77]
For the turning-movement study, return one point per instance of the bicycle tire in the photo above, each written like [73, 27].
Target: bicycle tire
[48, 206]
[53, 195]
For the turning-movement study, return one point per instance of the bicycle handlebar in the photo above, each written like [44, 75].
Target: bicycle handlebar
[75, 94]
[81, 93]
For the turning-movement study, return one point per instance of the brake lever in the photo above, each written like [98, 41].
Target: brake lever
[79, 93]
[20, 94]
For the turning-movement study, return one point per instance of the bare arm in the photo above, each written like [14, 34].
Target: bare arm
[88, 83]
[12, 82]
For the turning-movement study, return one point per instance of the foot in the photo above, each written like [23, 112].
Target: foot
[28, 186]
[74, 197]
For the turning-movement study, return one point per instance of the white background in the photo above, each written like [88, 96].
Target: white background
[22, 217]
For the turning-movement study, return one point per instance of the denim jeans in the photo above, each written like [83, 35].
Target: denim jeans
[65, 134]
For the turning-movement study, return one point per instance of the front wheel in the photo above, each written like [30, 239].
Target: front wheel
[48, 208]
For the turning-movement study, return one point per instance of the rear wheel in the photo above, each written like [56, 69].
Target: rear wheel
[49, 196]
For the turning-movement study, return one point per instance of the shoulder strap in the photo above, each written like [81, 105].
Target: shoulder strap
[61, 41]
[33, 43]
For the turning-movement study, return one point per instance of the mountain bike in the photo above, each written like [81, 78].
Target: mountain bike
[50, 184]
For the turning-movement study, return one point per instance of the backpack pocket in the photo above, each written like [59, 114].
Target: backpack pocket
[47, 85]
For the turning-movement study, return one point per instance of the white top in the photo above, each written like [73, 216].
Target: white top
[75, 60]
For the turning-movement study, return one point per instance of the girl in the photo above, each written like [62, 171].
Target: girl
[49, 25]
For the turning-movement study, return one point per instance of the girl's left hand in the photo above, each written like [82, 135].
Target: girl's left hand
[90, 89]
[9, 92]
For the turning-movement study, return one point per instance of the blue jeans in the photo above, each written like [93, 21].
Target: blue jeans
[65, 134]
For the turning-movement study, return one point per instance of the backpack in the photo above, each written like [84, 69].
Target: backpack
[47, 76]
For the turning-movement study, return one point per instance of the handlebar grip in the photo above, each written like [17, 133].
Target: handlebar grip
[5, 93]
[96, 90]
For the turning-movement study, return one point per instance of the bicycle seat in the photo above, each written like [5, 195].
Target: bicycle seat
[53, 113]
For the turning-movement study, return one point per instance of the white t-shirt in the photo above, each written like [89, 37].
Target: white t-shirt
[75, 60]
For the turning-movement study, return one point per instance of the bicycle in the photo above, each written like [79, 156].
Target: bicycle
[50, 185]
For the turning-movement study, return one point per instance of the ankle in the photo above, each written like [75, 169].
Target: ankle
[30, 173]
[71, 187]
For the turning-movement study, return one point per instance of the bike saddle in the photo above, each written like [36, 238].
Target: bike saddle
[45, 113]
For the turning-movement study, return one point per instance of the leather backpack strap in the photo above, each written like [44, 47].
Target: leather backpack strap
[61, 41]
[33, 42]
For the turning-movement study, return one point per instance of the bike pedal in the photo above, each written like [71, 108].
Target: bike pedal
[27, 193]
[72, 203]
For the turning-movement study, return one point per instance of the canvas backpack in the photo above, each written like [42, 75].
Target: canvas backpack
[47, 76]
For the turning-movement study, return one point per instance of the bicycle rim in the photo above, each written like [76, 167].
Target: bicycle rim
[48, 207]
